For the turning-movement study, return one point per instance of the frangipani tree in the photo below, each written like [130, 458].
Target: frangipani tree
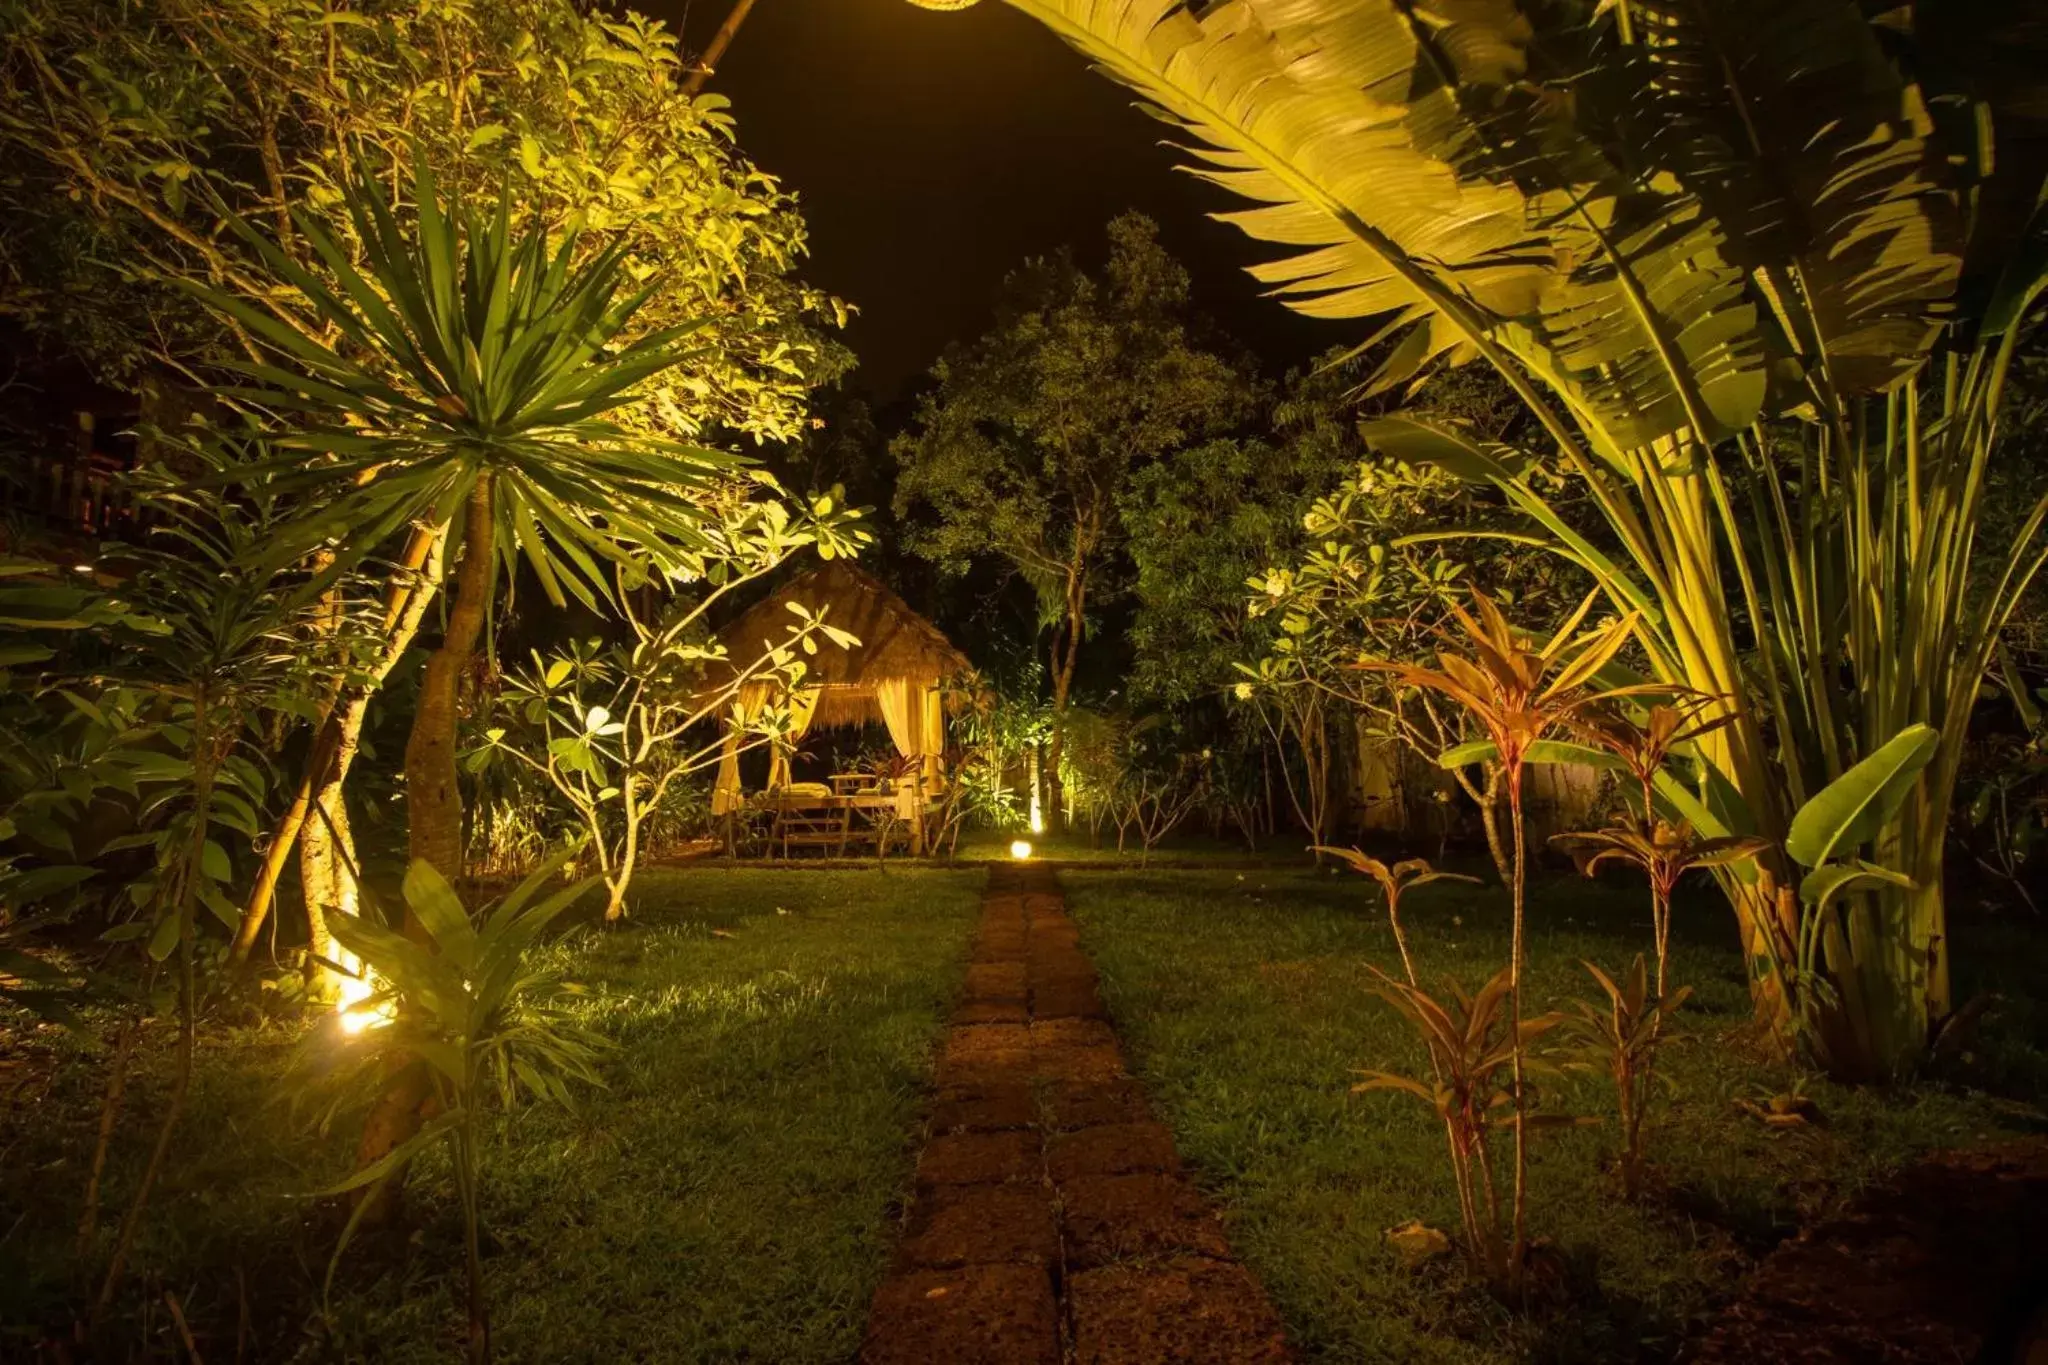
[1757, 268]
[613, 730]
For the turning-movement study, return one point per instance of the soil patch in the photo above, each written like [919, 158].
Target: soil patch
[1945, 1262]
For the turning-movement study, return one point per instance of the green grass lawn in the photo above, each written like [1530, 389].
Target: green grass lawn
[1242, 998]
[726, 1198]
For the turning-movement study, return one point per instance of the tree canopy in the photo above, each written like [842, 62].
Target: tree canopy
[130, 131]
[1031, 439]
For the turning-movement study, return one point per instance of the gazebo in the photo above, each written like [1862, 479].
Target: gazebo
[896, 675]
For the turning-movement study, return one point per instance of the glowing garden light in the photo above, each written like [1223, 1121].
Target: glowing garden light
[356, 987]
[1020, 849]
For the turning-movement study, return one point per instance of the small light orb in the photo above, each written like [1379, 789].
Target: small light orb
[355, 1015]
[1021, 848]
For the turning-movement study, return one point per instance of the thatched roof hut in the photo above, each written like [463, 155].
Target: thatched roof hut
[895, 675]
[895, 642]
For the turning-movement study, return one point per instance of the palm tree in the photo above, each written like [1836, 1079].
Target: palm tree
[1760, 299]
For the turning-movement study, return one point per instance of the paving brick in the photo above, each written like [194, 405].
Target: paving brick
[986, 1068]
[982, 1225]
[1067, 1000]
[1008, 946]
[1077, 1063]
[1189, 1311]
[1147, 1215]
[1066, 965]
[979, 1158]
[1088, 1104]
[1061, 934]
[977, 1315]
[972, 1040]
[984, 1109]
[1110, 1149]
[992, 1012]
[996, 981]
[1059, 1033]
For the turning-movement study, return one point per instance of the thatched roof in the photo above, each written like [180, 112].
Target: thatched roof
[895, 642]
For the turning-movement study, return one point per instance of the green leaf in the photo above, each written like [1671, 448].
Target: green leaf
[1455, 451]
[165, 938]
[1542, 751]
[440, 911]
[34, 885]
[1820, 886]
[1852, 809]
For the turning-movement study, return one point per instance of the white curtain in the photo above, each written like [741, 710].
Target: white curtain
[934, 738]
[898, 703]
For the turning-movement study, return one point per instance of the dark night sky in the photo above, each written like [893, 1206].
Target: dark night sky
[932, 152]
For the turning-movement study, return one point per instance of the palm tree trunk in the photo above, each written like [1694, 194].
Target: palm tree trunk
[707, 64]
[327, 871]
[433, 789]
[433, 797]
[334, 747]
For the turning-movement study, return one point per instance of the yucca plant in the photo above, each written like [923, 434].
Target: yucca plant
[1518, 694]
[1478, 1054]
[469, 1010]
[1757, 269]
[1396, 881]
[1620, 1040]
[460, 371]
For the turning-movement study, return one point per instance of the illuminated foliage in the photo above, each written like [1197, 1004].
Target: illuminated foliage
[1758, 270]
[127, 127]
[1027, 449]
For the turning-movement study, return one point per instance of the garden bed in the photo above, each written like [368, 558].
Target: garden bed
[1243, 998]
[728, 1196]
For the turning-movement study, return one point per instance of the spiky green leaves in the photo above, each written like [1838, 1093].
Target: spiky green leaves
[452, 345]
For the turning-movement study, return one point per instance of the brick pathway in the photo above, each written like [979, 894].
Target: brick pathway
[1051, 1222]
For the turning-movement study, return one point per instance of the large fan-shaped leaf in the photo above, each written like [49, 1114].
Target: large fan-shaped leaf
[1790, 123]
